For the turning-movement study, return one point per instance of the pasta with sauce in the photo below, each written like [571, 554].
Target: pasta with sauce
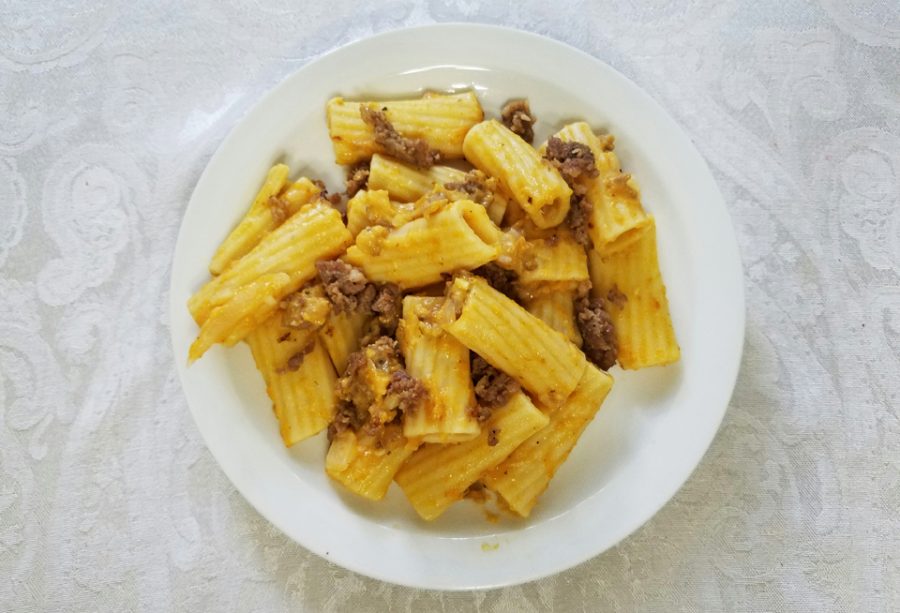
[452, 326]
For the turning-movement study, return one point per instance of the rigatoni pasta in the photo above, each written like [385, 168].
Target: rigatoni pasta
[275, 202]
[299, 378]
[617, 217]
[458, 236]
[232, 321]
[513, 340]
[365, 466]
[526, 473]
[558, 259]
[555, 306]
[630, 281]
[441, 120]
[442, 363]
[372, 207]
[342, 333]
[407, 183]
[448, 326]
[436, 476]
[533, 183]
[314, 232]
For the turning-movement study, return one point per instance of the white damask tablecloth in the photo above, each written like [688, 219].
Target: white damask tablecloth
[110, 110]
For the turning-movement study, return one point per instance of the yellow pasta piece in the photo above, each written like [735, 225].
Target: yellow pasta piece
[315, 232]
[630, 281]
[438, 475]
[526, 473]
[511, 339]
[275, 202]
[559, 258]
[442, 120]
[531, 181]
[342, 334]
[371, 207]
[442, 364]
[617, 218]
[365, 466]
[496, 210]
[555, 308]
[407, 184]
[513, 214]
[232, 321]
[256, 222]
[299, 378]
[458, 236]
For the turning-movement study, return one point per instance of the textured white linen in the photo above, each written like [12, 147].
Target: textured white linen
[110, 110]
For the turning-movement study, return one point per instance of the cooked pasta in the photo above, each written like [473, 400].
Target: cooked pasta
[441, 120]
[407, 183]
[513, 340]
[555, 306]
[436, 476]
[450, 326]
[363, 465]
[533, 183]
[314, 232]
[276, 201]
[630, 281]
[299, 378]
[458, 236]
[526, 473]
[342, 334]
[442, 363]
[617, 218]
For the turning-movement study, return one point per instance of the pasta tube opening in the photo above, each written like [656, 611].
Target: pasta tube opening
[477, 218]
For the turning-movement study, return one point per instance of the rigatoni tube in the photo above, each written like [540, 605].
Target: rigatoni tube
[631, 284]
[456, 236]
[533, 183]
[313, 233]
[511, 339]
[526, 473]
[442, 364]
[437, 475]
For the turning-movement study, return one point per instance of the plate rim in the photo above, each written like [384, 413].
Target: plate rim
[733, 260]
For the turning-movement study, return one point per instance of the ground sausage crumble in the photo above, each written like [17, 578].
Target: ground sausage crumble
[597, 332]
[516, 115]
[413, 151]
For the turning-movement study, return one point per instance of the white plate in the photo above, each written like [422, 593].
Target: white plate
[656, 424]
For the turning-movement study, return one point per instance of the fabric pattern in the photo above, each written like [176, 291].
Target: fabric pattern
[109, 111]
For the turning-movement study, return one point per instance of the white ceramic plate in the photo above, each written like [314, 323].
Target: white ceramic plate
[655, 425]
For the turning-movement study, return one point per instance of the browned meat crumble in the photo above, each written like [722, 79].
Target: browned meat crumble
[516, 115]
[500, 279]
[345, 285]
[493, 388]
[334, 199]
[357, 178]
[406, 391]
[296, 360]
[413, 151]
[362, 408]
[573, 160]
[597, 332]
[388, 306]
[579, 219]
[475, 185]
